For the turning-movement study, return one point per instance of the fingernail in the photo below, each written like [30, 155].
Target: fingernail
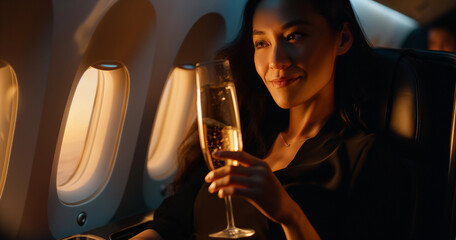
[220, 193]
[211, 188]
[209, 177]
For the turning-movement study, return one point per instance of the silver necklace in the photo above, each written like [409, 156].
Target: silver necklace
[289, 144]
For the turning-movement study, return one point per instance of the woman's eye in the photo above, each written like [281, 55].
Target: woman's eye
[294, 36]
[260, 44]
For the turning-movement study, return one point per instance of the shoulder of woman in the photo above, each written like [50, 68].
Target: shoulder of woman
[356, 139]
[359, 146]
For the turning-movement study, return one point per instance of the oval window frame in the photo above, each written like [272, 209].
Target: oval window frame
[98, 155]
[10, 92]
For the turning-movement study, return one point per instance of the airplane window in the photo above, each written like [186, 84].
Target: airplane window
[177, 107]
[175, 114]
[8, 109]
[91, 133]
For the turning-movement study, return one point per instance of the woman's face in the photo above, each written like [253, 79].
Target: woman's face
[440, 39]
[295, 52]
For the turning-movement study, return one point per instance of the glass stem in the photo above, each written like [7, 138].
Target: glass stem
[229, 213]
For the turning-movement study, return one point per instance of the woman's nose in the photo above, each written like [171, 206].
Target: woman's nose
[280, 58]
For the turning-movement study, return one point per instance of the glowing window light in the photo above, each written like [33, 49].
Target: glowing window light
[176, 112]
[8, 110]
[92, 131]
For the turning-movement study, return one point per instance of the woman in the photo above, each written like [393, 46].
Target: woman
[309, 170]
[441, 38]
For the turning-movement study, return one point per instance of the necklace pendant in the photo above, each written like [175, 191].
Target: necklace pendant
[284, 142]
[289, 144]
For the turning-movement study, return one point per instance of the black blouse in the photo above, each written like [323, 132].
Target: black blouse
[347, 182]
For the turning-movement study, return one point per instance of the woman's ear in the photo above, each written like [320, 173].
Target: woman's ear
[345, 39]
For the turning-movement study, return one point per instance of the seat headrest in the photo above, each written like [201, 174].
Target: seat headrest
[413, 102]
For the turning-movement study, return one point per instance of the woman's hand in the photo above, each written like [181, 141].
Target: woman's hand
[254, 180]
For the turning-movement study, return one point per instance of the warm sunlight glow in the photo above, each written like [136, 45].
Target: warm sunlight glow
[175, 114]
[92, 132]
[8, 110]
[77, 126]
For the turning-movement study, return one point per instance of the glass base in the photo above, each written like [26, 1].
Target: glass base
[233, 233]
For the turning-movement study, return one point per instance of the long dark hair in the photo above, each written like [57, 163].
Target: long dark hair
[261, 118]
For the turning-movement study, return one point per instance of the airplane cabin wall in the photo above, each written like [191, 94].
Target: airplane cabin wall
[25, 43]
[382, 26]
[50, 45]
[122, 31]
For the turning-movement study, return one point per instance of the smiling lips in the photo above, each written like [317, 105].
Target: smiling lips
[283, 81]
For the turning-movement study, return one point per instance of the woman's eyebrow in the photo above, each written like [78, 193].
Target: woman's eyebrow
[257, 32]
[294, 22]
[284, 26]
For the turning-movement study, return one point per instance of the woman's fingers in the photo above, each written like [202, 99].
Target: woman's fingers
[254, 180]
[227, 170]
[238, 180]
[241, 157]
[241, 192]
[232, 181]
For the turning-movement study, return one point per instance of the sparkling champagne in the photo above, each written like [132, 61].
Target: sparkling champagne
[219, 128]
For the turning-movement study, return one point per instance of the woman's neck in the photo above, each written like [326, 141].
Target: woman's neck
[307, 119]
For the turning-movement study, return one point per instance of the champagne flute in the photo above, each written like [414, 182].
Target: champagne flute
[219, 126]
